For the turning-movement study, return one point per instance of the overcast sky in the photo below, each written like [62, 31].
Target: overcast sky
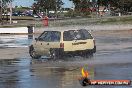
[30, 2]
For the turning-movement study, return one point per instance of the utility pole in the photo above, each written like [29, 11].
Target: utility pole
[10, 11]
[109, 8]
[46, 12]
[56, 8]
[97, 8]
[1, 6]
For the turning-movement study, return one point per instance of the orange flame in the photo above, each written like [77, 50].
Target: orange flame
[85, 74]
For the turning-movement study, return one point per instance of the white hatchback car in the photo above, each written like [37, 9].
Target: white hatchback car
[58, 43]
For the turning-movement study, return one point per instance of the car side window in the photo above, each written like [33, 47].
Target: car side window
[68, 36]
[42, 36]
[50, 36]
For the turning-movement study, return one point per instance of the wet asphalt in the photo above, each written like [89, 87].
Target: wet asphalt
[113, 60]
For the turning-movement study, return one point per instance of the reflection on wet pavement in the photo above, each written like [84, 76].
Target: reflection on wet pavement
[24, 74]
[15, 40]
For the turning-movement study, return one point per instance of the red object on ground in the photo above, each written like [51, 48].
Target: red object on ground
[45, 21]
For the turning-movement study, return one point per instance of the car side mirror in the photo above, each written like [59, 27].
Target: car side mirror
[36, 39]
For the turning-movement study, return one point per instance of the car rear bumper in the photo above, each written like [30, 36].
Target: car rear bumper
[78, 52]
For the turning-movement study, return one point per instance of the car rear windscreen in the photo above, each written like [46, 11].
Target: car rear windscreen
[76, 35]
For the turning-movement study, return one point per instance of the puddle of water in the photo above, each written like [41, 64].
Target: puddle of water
[114, 71]
[22, 74]
[14, 72]
[15, 62]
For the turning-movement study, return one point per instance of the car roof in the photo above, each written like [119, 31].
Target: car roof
[61, 30]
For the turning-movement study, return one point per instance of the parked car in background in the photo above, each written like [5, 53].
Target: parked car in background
[58, 43]
[18, 14]
[36, 16]
[15, 14]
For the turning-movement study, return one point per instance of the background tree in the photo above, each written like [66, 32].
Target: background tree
[43, 5]
[3, 5]
[84, 6]
[118, 5]
[81, 4]
[122, 5]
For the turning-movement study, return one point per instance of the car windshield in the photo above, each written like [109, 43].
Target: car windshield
[50, 36]
[76, 35]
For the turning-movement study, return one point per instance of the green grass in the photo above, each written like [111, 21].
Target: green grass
[22, 18]
[67, 22]
[114, 20]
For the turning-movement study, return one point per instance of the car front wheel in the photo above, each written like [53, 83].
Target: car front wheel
[33, 53]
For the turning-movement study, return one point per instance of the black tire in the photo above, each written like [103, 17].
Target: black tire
[94, 49]
[33, 53]
[54, 54]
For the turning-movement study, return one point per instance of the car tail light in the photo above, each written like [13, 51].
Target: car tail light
[61, 45]
[94, 42]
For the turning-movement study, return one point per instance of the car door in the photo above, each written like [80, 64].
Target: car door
[44, 43]
[52, 40]
[41, 46]
[49, 39]
[37, 46]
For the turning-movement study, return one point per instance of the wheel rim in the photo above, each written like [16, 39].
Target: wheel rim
[53, 55]
[33, 54]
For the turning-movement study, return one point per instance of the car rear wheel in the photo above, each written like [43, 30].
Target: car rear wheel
[33, 53]
[54, 54]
